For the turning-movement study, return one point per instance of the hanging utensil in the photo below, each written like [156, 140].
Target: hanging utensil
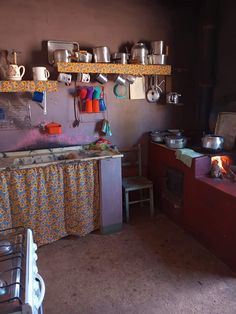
[76, 121]
[152, 94]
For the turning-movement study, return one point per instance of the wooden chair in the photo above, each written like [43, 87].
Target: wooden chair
[132, 159]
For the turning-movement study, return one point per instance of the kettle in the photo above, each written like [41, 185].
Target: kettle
[139, 53]
[172, 98]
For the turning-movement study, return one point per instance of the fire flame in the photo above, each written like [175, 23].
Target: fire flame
[222, 161]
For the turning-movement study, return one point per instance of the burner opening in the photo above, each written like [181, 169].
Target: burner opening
[221, 167]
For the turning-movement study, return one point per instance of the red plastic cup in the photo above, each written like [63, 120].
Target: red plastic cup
[96, 105]
[89, 105]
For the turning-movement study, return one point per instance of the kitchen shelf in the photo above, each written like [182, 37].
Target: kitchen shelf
[28, 86]
[108, 68]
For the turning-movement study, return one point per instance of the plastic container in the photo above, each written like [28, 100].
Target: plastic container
[53, 128]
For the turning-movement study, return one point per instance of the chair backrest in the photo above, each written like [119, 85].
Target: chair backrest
[132, 158]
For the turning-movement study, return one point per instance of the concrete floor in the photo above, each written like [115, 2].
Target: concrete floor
[152, 266]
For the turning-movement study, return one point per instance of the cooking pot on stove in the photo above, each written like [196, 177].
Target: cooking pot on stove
[212, 142]
[175, 141]
[157, 136]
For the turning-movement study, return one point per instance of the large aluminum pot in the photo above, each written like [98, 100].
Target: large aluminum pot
[173, 141]
[212, 142]
[101, 55]
[61, 55]
[139, 53]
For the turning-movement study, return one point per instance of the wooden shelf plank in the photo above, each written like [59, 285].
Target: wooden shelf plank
[108, 68]
[28, 86]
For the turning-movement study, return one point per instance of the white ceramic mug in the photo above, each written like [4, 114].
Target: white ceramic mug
[15, 72]
[83, 77]
[40, 74]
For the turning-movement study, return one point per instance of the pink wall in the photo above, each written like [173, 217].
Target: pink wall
[27, 25]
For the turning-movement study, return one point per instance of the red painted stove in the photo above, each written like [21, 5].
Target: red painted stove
[203, 206]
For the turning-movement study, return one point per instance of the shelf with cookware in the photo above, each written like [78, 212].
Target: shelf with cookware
[113, 68]
[28, 86]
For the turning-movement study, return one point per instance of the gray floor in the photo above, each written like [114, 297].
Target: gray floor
[152, 266]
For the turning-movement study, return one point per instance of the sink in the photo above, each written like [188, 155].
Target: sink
[30, 160]
[47, 158]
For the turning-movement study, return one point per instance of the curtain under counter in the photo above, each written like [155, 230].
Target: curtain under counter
[54, 200]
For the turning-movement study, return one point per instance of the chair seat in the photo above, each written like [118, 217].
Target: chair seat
[136, 183]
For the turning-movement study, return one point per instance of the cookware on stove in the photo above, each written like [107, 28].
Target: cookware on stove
[212, 142]
[174, 141]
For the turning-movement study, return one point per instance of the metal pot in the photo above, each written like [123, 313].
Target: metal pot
[212, 142]
[61, 55]
[175, 142]
[157, 59]
[139, 53]
[84, 56]
[120, 57]
[158, 136]
[101, 54]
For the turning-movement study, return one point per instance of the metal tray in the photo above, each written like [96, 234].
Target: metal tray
[60, 44]
[226, 127]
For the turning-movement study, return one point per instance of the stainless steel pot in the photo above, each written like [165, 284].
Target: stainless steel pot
[212, 142]
[84, 56]
[157, 59]
[175, 142]
[139, 53]
[61, 55]
[101, 55]
[120, 57]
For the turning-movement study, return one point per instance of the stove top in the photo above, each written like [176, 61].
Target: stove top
[12, 268]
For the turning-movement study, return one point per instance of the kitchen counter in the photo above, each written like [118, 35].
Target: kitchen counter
[56, 196]
[44, 157]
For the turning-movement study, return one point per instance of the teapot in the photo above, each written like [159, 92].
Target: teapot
[172, 98]
[15, 72]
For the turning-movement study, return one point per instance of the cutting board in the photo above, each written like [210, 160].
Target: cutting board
[226, 127]
[137, 89]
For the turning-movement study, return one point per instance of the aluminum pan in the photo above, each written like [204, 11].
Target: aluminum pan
[60, 44]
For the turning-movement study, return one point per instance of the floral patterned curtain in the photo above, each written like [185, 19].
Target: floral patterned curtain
[54, 201]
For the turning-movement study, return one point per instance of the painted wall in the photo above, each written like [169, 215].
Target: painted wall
[225, 85]
[27, 25]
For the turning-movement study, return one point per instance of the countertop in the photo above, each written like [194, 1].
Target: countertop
[44, 157]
